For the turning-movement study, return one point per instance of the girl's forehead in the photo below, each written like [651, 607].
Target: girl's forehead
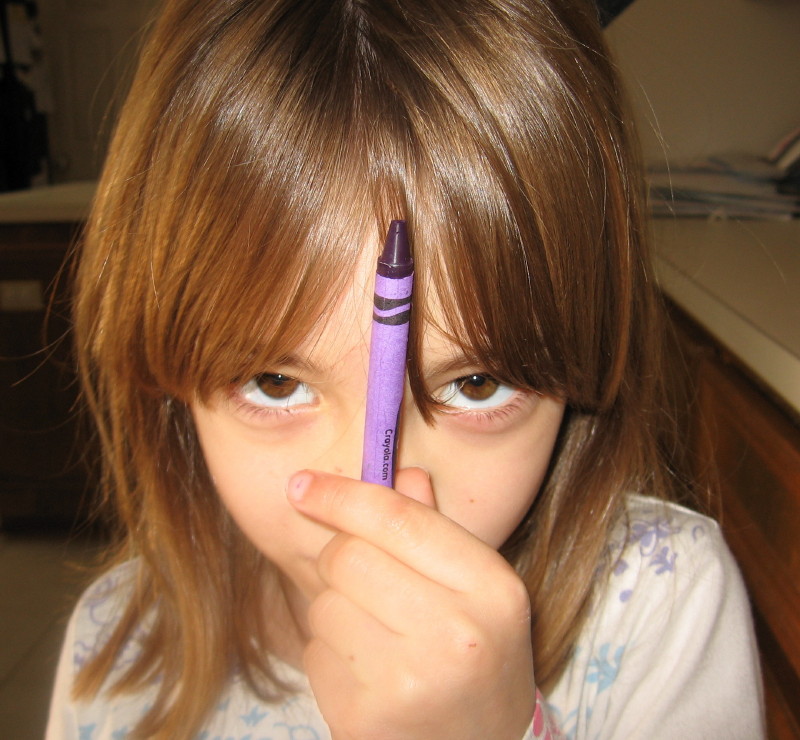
[344, 327]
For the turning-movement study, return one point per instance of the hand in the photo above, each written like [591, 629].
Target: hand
[424, 630]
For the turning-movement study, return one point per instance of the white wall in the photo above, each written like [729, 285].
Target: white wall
[704, 75]
[91, 47]
[710, 76]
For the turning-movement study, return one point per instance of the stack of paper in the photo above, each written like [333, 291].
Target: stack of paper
[725, 186]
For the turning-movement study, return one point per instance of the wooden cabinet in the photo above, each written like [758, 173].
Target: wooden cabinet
[745, 445]
[43, 472]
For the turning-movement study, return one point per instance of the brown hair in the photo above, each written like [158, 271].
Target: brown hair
[259, 140]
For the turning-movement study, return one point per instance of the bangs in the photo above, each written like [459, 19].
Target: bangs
[317, 124]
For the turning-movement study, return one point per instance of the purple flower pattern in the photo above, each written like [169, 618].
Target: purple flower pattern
[648, 533]
[646, 545]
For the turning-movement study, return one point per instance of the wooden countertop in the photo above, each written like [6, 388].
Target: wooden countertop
[741, 281]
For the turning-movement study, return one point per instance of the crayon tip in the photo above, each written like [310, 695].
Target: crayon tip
[396, 255]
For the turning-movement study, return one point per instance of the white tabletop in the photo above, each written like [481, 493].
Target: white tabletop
[68, 202]
[741, 281]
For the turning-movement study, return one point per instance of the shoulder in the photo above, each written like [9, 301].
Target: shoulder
[96, 615]
[93, 620]
[98, 612]
[670, 631]
[238, 713]
[672, 577]
[663, 546]
[101, 601]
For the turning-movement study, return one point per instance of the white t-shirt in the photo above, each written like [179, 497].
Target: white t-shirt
[667, 652]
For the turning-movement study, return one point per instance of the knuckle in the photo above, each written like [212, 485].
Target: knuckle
[347, 558]
[509, 597]
[401, 517]
[410, 689]
[468, 639]
[320, 611]
[516, 597]
[337, 492]
[465, 639]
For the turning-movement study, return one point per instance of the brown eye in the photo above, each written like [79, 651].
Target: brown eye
[478, 387]
[276, 385]
[277, 391]
[477, 391]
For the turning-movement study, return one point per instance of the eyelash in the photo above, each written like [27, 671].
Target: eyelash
[475, 416]
[236, 394]
[485, 417]
[256, 412]
[470, 387]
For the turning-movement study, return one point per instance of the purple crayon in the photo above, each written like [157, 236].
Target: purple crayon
[387, 356]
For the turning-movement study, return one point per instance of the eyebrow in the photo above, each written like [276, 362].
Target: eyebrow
[454, 365]
[448, 367]
[294, 362]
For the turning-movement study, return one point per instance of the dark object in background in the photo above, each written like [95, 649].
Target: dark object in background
[23, 128]
[610, 9]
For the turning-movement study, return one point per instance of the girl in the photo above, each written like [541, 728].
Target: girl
[522, 568]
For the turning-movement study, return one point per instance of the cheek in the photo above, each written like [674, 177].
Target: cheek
[246, 482]
[493, 498]
[495, 482]
[248, 478]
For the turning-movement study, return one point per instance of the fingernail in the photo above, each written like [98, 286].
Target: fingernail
[298, 485]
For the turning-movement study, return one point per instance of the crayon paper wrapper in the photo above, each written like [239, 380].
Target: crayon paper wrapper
[387, 374]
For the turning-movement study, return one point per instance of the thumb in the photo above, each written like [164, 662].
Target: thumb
[415, 483]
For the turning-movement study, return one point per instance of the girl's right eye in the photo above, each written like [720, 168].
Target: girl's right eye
[275, 390]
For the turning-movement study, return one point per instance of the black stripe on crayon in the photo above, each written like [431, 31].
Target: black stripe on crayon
[394, 320]
[385, 304]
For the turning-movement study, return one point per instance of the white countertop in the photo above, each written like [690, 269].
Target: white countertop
[68, 203]
[741, 281]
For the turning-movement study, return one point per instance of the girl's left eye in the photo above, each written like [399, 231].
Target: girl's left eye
[476, 391]
[276, 391]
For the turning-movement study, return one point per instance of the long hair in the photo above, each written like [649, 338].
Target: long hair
[261, 142]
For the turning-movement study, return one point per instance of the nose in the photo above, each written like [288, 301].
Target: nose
[413, 438]
[415, 456]
[341, 454]
[415, 483]
[344, 454]
[387, 447]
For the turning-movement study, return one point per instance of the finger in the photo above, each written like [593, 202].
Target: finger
[393, 593]
[415, 483]
[413, 533]
[331, 680]
[361, 642]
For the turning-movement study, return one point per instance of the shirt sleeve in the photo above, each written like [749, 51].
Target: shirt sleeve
[62, 722]
[671, 651]
[92, 620]
[696, 671]
[542, 726]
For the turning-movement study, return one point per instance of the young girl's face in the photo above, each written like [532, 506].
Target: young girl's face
[486, 453]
